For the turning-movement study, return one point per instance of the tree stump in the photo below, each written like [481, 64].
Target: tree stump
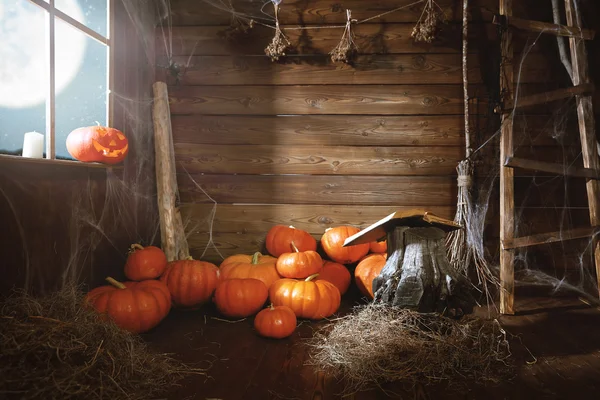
[418, 275]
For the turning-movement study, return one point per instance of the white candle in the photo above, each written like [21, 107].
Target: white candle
[33, 145]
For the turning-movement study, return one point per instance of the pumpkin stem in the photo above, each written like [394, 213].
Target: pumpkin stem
[136, 246]
[255, 257]
[310, 278]
[189, 258]
[115, 283]
[271, 307]
[294, 247]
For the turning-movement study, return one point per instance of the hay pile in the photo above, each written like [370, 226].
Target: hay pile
[52, 348]
[378, 344]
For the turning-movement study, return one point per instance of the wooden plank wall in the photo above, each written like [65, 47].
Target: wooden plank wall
[315, 144]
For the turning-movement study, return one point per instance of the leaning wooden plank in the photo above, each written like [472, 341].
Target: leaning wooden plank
[550, 237]
[587, 129]
[507, 194]
[334, 99]
[547, 97]
[559, 169]
[545, 27]
[320, 189]
[318, 160]
[173, 239]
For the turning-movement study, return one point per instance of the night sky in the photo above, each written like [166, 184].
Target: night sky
[81, 103]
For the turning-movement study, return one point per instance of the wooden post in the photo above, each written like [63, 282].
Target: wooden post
[507, 199]
[587, 133]
[173, 240]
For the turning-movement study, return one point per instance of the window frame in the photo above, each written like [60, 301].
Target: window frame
[51, 14]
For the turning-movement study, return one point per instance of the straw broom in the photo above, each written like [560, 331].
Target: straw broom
[464, 251]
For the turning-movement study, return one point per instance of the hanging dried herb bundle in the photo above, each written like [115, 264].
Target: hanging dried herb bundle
[280, 42]
[346, 48]
[427, 27]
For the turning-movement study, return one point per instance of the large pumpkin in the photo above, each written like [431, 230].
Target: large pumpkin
[97, 144]
[255, 266]
[337, 274]
[240, 298]
[299, 264]
[333, 240]
[275, 322]
[280, 237]
[191, 282]
[368, 269]
[307, 298]
[134, 306]
[145, 263]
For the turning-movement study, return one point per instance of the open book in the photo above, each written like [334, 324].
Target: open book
[411, 218]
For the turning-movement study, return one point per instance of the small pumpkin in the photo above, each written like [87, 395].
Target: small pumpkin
[299, 264]
[240, 298]
[134, 306]
[280, 237]
[145, 263]
[378, 247]
[368, 269]
[337, 274]
[275, 322]
[191, 282]
[332, 242]
[256, 266]
[97, 144]
[309, 298]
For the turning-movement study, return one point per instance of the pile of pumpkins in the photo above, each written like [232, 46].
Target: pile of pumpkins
[295, 280]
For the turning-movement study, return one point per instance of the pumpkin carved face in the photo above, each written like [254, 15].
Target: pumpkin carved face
[98, 144]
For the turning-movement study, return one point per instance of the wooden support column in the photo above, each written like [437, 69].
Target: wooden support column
[507, 199]
[585, 115]
[173, 239]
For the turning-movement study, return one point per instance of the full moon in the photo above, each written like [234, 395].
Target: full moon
[23, 55]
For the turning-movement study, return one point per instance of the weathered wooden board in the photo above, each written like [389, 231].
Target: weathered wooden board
[320, 70]
[336, 99]
[213, 12]
[369, 38]
[319, 189]
[321, 130]
[313, 218]
[318, 160]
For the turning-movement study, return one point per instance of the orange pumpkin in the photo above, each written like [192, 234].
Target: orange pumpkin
[368, 269]
[309, 298]
[337, 274]
[240, 298]
[275, 322]
[191, 282]
[299, 264]
[280, 237]
[333, 240]
[255, 266]
[97, 144]
[145, 263]
[134, 306]
[378, 247]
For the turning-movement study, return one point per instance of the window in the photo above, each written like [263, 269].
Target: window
[54, 70]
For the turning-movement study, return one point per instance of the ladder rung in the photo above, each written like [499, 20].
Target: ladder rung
[558, 169]
[547, 97]
[544, 27]
[550, 237]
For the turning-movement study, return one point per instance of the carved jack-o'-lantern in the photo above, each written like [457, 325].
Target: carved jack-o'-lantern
[98, 144]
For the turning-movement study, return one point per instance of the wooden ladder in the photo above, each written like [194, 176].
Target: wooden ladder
[582, 89]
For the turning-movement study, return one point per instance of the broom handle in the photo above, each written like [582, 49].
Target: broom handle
[468, 149]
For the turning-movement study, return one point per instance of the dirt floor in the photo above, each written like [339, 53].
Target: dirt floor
[562, 334]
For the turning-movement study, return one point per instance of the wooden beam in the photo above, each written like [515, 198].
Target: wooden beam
[544, 27]
[547, 97]
[559, 169]
[550, 237]
[507, 199]
[587, 130]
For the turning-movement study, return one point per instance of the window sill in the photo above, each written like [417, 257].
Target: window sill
[66, 163]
